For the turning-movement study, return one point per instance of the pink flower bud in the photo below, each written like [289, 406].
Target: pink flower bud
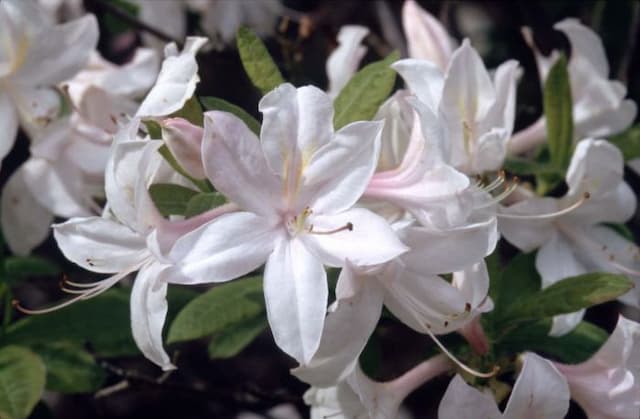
[184, 140]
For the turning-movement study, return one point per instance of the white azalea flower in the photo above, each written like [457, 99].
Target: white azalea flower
[599, 106]
[567, 230]
[343, 62]
[35, 55]
[477, 112]
[607, 385]
[540, 391]
[296, 186]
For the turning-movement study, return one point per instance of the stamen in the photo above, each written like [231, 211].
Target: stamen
[624, 269]
[348, 226]
[496, 182]
[556, 214]
[459, 363]
[507, 191]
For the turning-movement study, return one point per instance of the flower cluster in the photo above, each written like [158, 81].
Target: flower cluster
[406, 197]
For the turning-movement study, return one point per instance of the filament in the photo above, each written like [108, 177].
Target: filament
[348, 226]
[556, 214]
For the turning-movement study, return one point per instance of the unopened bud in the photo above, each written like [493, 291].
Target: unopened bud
[184, 140]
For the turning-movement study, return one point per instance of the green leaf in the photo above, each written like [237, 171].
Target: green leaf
[20, 267]
[257, 62]
[70, 369]
[569, 295]
[222, 306]
[153, 128]
[575, 347]
[558, 112]
[628, 142]
[360, 99]
[102, 321]
[203, 202]
[523, 167]
[171, 199]
[517, 280]
[211, 103]
[202, 184]
[191, 111]
[236, 337]
[22, 378]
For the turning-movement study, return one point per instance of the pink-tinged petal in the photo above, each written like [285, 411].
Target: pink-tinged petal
[25, 223]
[62, 50]
[295, 123]
[58, 186]
[295, 292]
[423, 78]
[463, 401]
[176, 82]
[540, 391]
[100, 245]
[528, 235]
[338, 173]
[398, 121]
[347, 328]
[357, 234]
[427, 39]
[443, 251]
[235, 164]
[226, 248]
[608, 384]
[185, 142]
[557, 260]
[148, 313]
[586, 46]
[596, 167]
[8, 124]
[343, 62]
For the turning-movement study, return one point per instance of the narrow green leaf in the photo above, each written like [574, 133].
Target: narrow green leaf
[202, 184]
[523, 167]
[360, 99]
[257, 62]
[558, 112]
[19, 267]
[628, 142]
[575, 347]
[153, 129]
[191, 111]
[171, 199]
[571, 294]
[211, 103]
[236, 337]
[222, 306]
[22, 378]
[203, 202]
[70, 369]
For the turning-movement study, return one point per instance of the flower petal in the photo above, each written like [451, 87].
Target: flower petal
[540, 391]
[223, 249]
[8, 124]
[427, 39]
[235, 164]
[527, 235]
[295, 123]
[343, 62]
[586, 46]
[423, 78]
[176, 82]
[295, 291]
[100, 245]
[148, 313]
[25, 223]
[463, 401]
[347, 329]
[185, 142]
[62, 50]
[369, 241]
[596, 167]
[338, 173]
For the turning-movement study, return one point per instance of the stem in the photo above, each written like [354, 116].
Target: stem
[7, 297]
[420, 374]
[528, 138]
[111, 8]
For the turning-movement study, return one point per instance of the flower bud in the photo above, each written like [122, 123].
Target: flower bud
[184, 140]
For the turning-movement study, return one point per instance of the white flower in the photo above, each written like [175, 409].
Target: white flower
[607, 385]
[343, 62]
[477, 112]
[296, 186]
[567, 230]
[539, 392]
[427, 39]
[599, 106]
[35, 54]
